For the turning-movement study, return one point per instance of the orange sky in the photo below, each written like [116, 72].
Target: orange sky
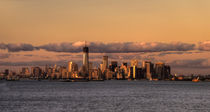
[45, 21]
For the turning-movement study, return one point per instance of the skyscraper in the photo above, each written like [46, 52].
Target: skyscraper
[149, 69]
[143, 64]
[113, 66]
[167, 71]
[124, 64]
[72, 67]
[37, 72]
[86, 59]
[6, 72]
[134, 71]
[105, 63]
[159, 70]
[134, 63]
[162, 71]
[25, 71]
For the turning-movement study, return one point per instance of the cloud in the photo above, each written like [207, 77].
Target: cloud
[101, 47]
[175, 52]
[17, 47]
[3, 56]
[33, 63]
[3, 46]
[195, 63]
[204, 46]
[62, 47]
[119, 47]
[29, 55]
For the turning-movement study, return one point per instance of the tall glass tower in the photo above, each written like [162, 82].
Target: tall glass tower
[86, 58]
[105, 63]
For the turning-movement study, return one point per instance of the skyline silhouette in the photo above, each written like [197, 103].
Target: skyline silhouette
[184, 58]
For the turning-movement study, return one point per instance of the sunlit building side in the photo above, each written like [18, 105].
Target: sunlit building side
[104, 63]
[149, 68]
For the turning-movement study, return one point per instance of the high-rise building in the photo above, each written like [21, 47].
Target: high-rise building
[113, 66]
[25, 71]
[90, 65]
[167, 71]
[124, 64]
[125, 70]
[140, 73]
[148, 73]
[72, 67]
[86, 59]
[130, 74]
[101, 66]
[143, 64]
[63, 73]
[6, 72]
[96, 74]
[159, 70]
[109, 75]
[37, 71]
[149, 69]
[162, 71]
[134, 72]
[134, 63]
[120, 73]
[104, 63]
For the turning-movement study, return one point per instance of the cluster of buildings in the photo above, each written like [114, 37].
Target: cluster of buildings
[107, 71]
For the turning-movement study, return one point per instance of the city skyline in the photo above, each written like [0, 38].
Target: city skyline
[185, 58]
[35, 32]
[87, 72]
[104, 55]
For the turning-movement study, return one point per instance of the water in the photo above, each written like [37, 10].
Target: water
[107, 96]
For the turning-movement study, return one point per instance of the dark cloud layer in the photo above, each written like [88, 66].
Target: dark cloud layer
[112, 47]
[3, 56]
[204, 46]
[147, 47]
[195, 63]
[17, 47]
[33, 63]
[100, 47]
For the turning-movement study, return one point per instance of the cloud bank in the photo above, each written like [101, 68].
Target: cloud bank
[17, 47]
[112, 47]
[3, 56]
[101, 47]
[195, 63]
[204, 46]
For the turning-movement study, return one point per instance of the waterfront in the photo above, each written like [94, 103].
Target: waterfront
[112, 95]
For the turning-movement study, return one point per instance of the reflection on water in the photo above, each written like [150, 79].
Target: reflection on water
[126, 96]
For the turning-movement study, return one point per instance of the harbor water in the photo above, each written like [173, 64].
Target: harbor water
[104, 96]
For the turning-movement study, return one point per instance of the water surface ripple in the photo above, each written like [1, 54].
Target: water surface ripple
[105, 96]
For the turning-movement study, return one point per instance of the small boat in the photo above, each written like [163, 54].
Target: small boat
[150, 79]
[196, 79]
[155, 79]
[180, 78]
[173, 79]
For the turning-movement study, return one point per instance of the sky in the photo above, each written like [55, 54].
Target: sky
[179, 30]
[49, 21]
